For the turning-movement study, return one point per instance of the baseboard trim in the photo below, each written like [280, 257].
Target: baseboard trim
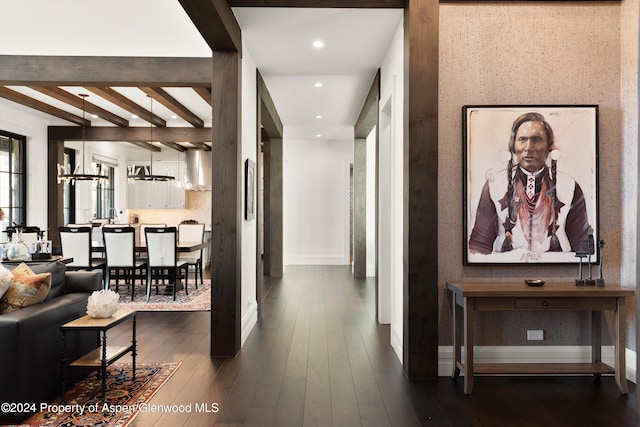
[396, 342]
[532, 354]
[249, 320]
[317, 260]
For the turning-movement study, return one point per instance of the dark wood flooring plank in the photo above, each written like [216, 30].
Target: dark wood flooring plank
[319, 358]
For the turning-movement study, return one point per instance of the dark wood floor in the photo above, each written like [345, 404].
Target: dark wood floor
[318, 358]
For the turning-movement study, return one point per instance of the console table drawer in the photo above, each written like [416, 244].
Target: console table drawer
[545, 303]
[604, 303]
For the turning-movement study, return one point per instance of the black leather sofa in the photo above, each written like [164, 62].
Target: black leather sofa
[31, 344]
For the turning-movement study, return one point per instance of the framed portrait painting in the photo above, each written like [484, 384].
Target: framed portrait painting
[249, 189]
[530, 184]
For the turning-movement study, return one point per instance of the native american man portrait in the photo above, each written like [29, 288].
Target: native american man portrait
[530, 204]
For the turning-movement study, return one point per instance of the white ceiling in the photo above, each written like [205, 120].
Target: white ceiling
[279, 41]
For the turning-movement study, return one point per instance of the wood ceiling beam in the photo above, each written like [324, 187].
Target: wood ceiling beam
[201, 146]
[172, 104]
[175, 146]
[125, 103]
[27, 101]
[145, 145]
[216, 22]
[204, 92]
[134, 134]
[19, 70]
[355, 4]
[76, 101]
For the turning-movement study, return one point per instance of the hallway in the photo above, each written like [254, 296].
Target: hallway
[318, 358]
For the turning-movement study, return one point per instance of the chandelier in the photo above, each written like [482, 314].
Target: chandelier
[66, 175]
[142, 173]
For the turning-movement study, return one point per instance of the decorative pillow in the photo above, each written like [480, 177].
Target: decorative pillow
[5, 280]
[26, 288]
[57, 270]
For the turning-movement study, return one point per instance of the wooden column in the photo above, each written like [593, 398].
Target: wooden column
[226, 208]
[420, 352]
[273, 209]
[360, 208]
[55, 202]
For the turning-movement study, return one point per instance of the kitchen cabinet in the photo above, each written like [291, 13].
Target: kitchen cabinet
[157, 194]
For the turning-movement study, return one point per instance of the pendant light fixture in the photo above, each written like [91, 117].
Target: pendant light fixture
[141, 173]
[65, 174]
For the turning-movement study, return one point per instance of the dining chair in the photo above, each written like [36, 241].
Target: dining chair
[162, 250]
[120, 250]
[192, 233]
[76, 244]
[143, 238]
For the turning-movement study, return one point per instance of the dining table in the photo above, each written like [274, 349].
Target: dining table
[181, 247]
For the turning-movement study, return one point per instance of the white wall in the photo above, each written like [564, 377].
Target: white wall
[27, 122]
[316, 201]
[390, 193]
[249, 305]
[371, 204]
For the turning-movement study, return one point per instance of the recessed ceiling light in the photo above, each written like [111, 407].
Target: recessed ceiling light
[174, 117]
[318, 84]
[318, 44]
[318, 135]
[133, 116]
[94, 116]
[318, 116]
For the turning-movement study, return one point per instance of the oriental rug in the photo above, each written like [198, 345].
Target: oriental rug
[125, 398]
[197, 300]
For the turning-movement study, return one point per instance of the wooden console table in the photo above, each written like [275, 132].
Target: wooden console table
[469, 297]
[103, 355]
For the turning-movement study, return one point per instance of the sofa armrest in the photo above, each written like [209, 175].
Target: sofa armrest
[83, 281]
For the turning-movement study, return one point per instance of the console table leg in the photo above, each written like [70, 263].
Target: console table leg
[468, 345]
[456, 312]
[133, 347]
[620, 347]
[103, 369]
[63, 365]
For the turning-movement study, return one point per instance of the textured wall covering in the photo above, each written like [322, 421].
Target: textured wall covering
[528, 54]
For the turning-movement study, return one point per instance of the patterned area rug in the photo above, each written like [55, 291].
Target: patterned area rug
[197, 300]
[124, 398]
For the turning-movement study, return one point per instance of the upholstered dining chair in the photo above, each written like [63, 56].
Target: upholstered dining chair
[143, 237]
[162, 250]
[192, 233]
[76, 243]
[120, 250]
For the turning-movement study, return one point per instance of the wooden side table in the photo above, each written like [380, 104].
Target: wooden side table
[103, 355]
[469, 297]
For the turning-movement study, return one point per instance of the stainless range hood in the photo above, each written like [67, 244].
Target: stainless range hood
[198, 176]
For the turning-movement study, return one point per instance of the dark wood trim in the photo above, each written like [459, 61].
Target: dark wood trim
[175, 146]
[27, 101]
[139, 134]
[356, 4]
[270, 119]
[368, 117]
[226, 192]
[55, 202]
[201, 146]
[216, 22]
[420, 235]
[21, 70]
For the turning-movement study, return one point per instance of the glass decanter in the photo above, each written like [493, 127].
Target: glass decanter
[18, 250]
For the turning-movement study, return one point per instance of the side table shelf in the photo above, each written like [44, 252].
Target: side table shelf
[103, 355]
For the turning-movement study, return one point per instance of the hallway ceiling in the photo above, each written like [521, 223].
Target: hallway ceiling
[279, 40]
